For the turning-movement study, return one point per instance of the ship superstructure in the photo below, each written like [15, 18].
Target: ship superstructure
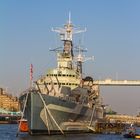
[66, 74]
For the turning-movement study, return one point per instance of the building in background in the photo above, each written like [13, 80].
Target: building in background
[8, 102]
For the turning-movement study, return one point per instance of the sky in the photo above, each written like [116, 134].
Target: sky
[112, 37]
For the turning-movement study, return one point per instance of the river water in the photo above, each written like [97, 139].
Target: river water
[8, 132]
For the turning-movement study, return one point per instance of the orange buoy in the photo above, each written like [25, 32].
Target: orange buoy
[23, 125]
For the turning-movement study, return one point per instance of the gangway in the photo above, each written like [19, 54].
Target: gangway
[110, 82]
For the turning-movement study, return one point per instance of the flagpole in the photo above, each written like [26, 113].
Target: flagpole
[31, 75]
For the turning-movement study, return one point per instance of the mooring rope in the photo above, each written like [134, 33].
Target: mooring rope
[44, 103]
[22, 113]
[47, 121]
[92, 115]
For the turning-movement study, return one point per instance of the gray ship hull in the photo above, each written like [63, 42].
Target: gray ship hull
[69, 103]
[57, 115]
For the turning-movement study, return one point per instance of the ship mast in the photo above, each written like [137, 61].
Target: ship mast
[66, 35]
[80, 59]
[66, 58]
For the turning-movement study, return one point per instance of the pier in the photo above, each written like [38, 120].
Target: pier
[108, 128]
[116, 123]
[9, 117]
[123, 119]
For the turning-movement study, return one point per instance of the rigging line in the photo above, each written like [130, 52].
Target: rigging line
[59, 85]
[91, 119]
[52, 85]
[46, 87]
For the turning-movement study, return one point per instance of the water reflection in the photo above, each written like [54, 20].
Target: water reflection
[73, 137]
[8, 132]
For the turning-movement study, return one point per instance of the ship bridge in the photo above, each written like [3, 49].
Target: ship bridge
[110, 82]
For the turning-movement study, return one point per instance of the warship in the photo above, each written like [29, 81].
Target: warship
[63, 100]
